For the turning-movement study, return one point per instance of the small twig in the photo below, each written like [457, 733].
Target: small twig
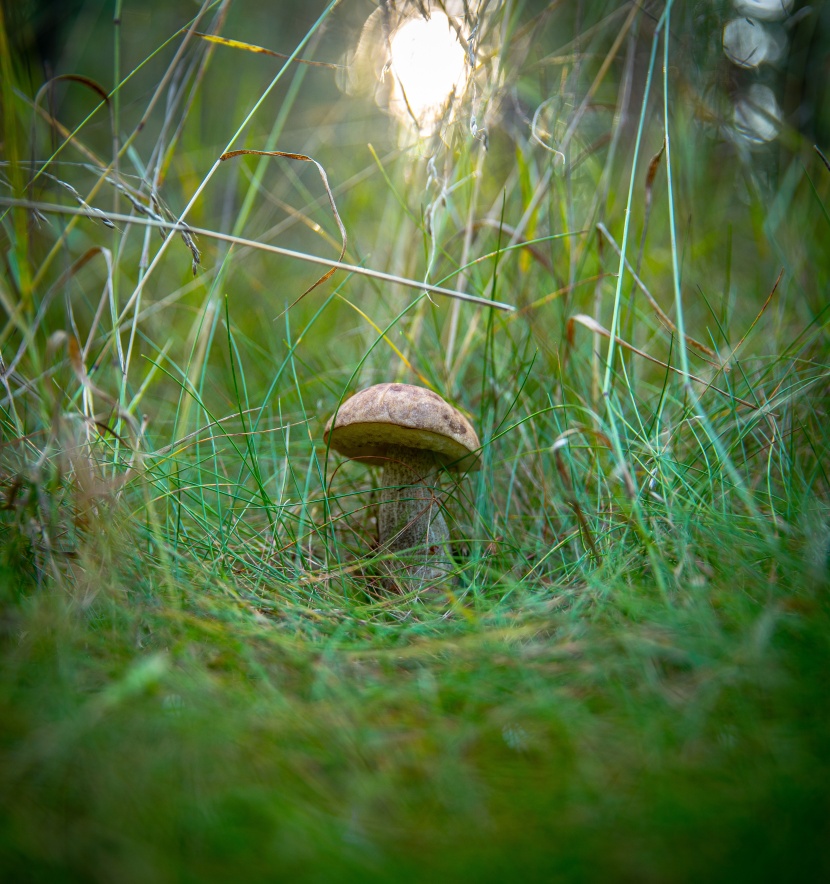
[651, 299]
[266, 247]
[590, 323]
[251, 47]
[755, 321]
[303, 158]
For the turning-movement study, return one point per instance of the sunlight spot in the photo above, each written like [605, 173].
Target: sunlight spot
[429, 66]
[747, 43]
[757, 117]
[767, 10]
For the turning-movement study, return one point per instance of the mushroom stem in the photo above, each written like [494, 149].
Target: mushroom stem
[410, 516]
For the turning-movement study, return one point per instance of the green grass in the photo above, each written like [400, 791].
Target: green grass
[201, 675]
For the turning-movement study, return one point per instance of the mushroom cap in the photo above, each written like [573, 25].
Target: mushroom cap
[402, 414]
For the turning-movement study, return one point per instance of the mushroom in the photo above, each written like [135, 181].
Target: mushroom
[412, 433]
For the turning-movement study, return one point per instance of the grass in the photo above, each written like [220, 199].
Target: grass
[202, 675]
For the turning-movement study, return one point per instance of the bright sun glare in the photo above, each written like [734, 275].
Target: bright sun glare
[429, 65]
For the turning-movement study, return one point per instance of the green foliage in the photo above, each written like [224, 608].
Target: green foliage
[203, 676]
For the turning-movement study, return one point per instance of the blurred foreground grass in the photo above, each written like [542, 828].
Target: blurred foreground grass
[589, 734]
[201, 676]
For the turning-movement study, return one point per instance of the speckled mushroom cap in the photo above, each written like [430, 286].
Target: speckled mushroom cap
[402, 414]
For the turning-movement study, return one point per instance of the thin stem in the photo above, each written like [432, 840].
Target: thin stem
[410, 518]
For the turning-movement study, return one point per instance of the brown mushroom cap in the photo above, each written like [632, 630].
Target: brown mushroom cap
[402, 414]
